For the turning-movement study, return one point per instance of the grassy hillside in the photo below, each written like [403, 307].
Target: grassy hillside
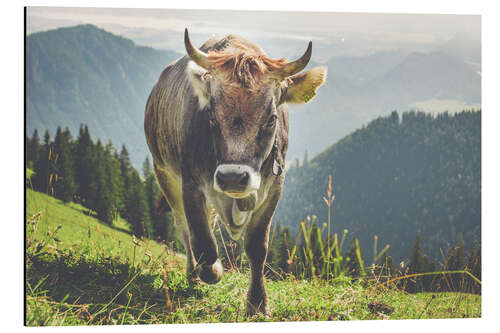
[79, 229]
[83, 272]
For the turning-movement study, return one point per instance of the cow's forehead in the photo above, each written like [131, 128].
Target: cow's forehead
[235, 97]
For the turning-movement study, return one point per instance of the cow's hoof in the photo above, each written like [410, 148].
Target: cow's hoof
[211, 274]
[193, 280]
[252, 310]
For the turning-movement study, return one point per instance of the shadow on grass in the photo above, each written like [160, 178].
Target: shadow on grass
[88, 212]
[78, 279]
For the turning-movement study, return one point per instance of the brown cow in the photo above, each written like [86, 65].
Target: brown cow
[216, 123]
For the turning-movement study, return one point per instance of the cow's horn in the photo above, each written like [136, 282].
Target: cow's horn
[198, 56]
[296, 66]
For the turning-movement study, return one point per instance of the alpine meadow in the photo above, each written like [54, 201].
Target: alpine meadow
[379, 211]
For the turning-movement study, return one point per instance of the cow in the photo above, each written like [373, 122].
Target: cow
[216, 123]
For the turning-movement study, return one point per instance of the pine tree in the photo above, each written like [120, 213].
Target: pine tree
[65, 185]
[416, 260]
[284, 245]
[136, 207]
[44, 166]
[84, 162]
[420, 263]
[114, 180]
[456, 261]
[125, 167]
[125, 164]
[100, 197]
[32, 150]
[146, 168]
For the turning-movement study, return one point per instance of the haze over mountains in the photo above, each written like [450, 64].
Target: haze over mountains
[279, 32]
[84, 74]
[359, 89]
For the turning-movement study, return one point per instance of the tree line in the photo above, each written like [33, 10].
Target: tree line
[100, 178]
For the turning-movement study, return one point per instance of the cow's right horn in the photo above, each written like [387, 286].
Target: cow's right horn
[198, 56]
[296, 66]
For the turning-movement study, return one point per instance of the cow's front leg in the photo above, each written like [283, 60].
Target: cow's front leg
[202, 240]
[256, 246]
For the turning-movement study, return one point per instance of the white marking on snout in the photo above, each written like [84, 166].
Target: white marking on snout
[253, 182]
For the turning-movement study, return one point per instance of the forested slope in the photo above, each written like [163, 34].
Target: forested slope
[397, 177]
[85, 75]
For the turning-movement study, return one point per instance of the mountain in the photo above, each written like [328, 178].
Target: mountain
[465, 46]
[434, 75]
[84, 74]
[398, 176]
[359, 89]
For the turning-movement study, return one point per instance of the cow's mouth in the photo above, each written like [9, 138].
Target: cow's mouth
[237, 195]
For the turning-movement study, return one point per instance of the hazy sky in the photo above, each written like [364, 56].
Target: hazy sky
[151, 26]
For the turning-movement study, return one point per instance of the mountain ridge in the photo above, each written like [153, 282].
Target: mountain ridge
[351, 98]
[84, 74]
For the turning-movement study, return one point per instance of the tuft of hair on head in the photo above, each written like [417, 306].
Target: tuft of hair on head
[243, 66]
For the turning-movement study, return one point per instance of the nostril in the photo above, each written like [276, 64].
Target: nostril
[244, 178]
[220, 179]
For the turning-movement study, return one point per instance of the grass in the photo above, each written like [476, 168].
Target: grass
[82, 230]
[83, 272]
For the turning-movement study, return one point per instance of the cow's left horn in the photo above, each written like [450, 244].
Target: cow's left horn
[296, 66]
[198, 56]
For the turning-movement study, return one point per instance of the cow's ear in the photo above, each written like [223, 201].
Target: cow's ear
[200, 81]
[301, 88]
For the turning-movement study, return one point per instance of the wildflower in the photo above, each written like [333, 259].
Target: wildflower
[329, 197]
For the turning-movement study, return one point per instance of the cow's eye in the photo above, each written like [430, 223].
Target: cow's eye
[271, 121]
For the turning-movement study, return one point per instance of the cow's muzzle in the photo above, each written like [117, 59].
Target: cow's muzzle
[236, 180]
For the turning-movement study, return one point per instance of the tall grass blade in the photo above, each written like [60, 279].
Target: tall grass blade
[360, 258]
